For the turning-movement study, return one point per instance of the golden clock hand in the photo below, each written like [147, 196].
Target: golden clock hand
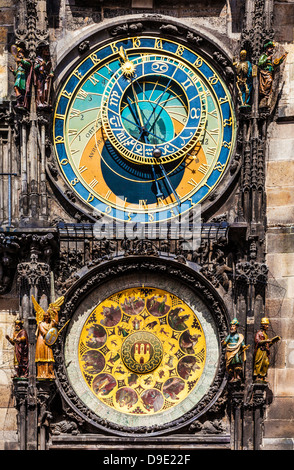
[137, 106]
[159, 193]
[157, 155]
[144, 130]
[128, 67]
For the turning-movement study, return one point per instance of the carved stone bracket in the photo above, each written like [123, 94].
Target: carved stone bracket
[251, 272]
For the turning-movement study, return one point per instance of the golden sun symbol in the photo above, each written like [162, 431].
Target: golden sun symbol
[128, 68]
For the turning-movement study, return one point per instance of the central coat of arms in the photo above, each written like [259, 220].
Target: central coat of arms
[142, 352]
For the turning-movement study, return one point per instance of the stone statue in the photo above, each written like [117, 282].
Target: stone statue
[22, 75]
[21, 349]
[267, 66]
[243, 69]
[45, 321]
[262, 351]
[235, 352]
[43, 79]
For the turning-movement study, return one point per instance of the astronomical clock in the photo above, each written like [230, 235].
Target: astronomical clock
[134, 152]
[144, 130]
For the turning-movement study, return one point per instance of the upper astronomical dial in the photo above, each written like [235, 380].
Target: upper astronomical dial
[143, 129]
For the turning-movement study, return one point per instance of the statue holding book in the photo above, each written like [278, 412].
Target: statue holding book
[262, 351]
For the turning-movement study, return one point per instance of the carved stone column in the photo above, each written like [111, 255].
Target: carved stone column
[45, 392]
[236, 400]
[259, 392]
[30, 275]
[20, 389]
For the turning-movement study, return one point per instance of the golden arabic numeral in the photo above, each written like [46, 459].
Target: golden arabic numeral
[158, 44]
[94, 58]
[227, 145]
[151, 217]
[59, 139]
[78, 74]
[227, 122]
[220, 167]
[213, 79]
[198, 62]
[108, 210]
[74, 181]
[172, 213]
[59, 116]
[90, 197]
[64, 161]
[180, 50]
[136, 42]
[66, 93]
[113, 46]
[160, 202]
[223, 100]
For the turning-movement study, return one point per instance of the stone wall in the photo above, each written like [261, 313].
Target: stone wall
[279, 423]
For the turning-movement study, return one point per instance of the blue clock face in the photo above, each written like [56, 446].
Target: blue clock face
[143, 129]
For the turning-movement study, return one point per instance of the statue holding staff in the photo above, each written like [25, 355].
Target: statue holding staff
[21, 350]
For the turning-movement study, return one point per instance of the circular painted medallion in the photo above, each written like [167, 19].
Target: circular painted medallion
[142, 352]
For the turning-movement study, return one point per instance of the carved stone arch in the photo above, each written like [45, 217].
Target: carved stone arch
[109, 277]
[72, 50]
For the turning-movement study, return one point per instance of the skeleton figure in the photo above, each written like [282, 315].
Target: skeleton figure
[244, 79]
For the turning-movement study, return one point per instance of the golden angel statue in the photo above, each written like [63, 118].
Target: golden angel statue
[46, 331]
